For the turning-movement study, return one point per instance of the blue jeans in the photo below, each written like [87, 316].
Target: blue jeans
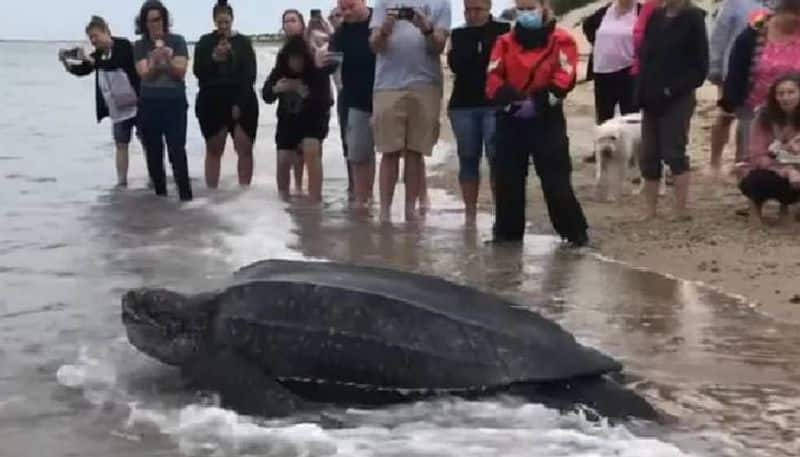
[164, 121]
[474, 129]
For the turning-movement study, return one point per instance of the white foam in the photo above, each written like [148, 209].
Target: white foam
[87, 372]
[441, 428]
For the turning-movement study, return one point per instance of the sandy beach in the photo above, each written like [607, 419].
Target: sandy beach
[717, 247]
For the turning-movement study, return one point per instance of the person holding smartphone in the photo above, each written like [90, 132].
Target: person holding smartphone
[162, 59]
[408, 92]
[358, 77]
[225, 67]
[116, 85]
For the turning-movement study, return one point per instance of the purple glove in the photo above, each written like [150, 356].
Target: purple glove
[525, 109]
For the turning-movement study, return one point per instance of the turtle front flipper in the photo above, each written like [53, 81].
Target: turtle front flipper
[242, 386]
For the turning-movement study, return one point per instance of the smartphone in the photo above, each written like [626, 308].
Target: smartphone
[316, 14]
[336, 57]
[405, 13]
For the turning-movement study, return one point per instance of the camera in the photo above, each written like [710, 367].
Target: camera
[404, 13]
[71, 56]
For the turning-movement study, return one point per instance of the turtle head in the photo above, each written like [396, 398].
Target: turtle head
[168, 326]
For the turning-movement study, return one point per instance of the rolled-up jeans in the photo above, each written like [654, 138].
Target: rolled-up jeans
[160, 121]
[474, 129]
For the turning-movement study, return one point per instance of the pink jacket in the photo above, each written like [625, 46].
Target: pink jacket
[638, 30]
[764, 143]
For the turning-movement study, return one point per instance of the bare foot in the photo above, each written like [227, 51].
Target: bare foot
[681, 217]
[649, 217]
[470, 219]
[424, 204]
[385, 216]
[714, 171]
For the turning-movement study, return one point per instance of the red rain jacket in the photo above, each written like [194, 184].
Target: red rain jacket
[550, 68]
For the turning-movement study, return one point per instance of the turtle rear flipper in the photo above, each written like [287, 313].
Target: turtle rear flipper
[602, 395]
[242, 386]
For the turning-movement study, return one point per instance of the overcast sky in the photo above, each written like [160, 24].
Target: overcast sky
[65, 19]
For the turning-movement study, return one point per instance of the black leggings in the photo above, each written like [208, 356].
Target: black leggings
[545, 140]
[762, 185]
[612, 89]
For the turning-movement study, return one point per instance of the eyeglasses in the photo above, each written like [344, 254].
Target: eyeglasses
[154, 20]
[477, 9]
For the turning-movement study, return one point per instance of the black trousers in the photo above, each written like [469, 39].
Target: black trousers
[544, 139]
[612, 89]
[763, 185]
[165, 121]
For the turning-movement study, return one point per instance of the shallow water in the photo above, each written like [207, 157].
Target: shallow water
[70, 385]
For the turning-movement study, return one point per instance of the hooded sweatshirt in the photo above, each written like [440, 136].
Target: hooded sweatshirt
[731, 20]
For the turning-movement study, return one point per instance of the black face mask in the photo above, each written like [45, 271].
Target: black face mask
[536, 38]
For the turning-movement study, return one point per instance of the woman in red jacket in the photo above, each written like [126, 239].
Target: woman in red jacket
[531, 70]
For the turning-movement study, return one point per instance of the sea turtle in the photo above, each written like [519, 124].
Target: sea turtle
[287, 334]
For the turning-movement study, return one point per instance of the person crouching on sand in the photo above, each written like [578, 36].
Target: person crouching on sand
[772, 171]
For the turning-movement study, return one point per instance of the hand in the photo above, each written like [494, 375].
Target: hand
[525, 109]
[283, 85]
[302, 90]
[236, 113]
[159, 56]
[388, 23]
[422, 22]
[762, 162]
[794, 177]
[221, 52]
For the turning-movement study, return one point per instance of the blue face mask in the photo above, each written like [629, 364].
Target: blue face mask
[530, 19]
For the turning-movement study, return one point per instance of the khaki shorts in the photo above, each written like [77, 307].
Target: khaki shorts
[407, 120]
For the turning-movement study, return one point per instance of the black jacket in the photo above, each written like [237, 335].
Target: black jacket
[674, 57]
[468, 58]
[121, 58]
[736, 87]
[318, 81]
[590, 25]
[238, 73]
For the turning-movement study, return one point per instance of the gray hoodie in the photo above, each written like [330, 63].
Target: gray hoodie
[731, 20]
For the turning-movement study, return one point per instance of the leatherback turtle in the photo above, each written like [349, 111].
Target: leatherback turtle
[283, 335]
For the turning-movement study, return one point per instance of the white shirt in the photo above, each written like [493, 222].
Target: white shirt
[613, 44]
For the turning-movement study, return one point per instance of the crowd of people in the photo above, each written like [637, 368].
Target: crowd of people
[380, 68]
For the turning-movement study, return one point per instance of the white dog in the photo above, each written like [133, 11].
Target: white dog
[617, 149]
